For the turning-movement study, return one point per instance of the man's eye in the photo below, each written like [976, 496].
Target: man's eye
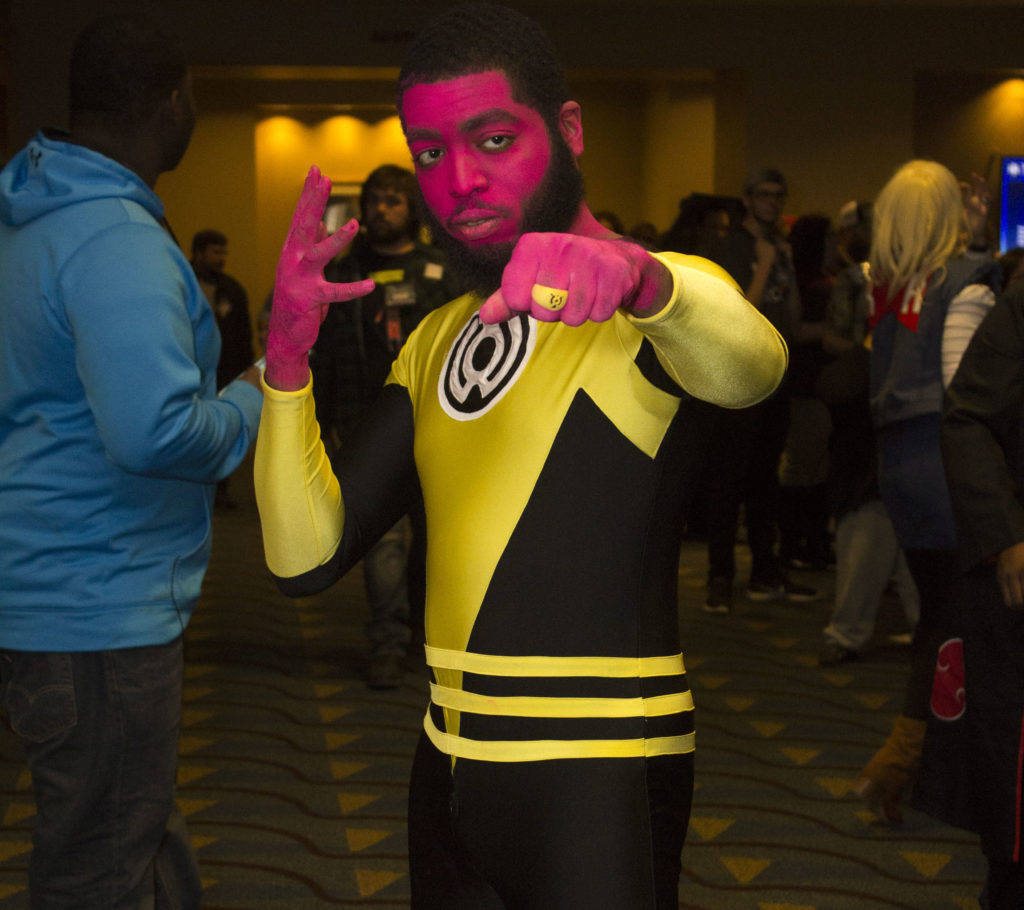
[427, 157]
[496, 143]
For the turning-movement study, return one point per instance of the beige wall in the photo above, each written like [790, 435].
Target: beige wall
[213, 187]
[837, 133]
[968, 120]
[650, 141]
[679, 147]
[613, 153]
[345, 148]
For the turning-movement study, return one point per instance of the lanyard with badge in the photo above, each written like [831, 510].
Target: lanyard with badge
[398, 293]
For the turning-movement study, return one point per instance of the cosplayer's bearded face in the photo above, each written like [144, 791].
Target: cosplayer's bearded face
[488, 170]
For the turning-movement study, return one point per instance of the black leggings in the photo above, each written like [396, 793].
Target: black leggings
[599, 833]
[940, 593]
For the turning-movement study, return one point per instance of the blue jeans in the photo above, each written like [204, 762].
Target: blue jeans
[912, 483]
[100, 731]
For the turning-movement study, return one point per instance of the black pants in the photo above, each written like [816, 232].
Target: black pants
[742, 468]
[940, 591]
[605, 834]
[1004, 887]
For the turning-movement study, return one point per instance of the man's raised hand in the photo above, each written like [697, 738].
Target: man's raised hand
[301, 293]
[575, 279]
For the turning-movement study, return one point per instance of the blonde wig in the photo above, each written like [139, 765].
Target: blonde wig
[919, 217]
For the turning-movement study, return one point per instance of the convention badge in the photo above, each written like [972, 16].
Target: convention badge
[401, 294]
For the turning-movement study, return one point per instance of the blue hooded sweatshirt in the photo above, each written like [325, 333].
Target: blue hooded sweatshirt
[112, 435]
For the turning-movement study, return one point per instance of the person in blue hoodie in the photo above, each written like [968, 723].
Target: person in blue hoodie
[112, 438]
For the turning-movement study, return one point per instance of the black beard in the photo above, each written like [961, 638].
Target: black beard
[380, 231]
[552, 207]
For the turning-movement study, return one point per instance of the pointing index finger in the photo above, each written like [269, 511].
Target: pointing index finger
[494, 309]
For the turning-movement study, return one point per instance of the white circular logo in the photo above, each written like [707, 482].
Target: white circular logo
[483, 364]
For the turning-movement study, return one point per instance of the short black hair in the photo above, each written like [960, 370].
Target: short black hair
[393, 177]
[124, 66]
[759, 175]
[480, 37]
[210, 237]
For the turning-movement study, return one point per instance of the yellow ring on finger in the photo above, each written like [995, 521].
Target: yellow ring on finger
[550, 298]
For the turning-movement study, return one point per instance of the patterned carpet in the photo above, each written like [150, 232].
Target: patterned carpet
[293, 773]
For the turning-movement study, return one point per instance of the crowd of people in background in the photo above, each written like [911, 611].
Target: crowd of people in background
[862, 470]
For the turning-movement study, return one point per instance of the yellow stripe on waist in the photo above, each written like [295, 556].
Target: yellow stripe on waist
[526, 706]
[505, 665]
[552, 749]
[570, 708]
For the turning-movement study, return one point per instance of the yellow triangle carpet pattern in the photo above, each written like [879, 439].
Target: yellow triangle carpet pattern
[293, 774]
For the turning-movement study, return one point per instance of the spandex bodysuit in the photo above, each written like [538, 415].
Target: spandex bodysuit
[555, 463]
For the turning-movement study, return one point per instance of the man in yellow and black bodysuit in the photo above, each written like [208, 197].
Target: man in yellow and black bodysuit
[548, 418]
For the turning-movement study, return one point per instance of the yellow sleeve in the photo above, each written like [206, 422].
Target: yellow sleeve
[710, 339]
[301, 510]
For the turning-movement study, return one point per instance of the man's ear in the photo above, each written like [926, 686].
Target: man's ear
[570, 125]
[167, 110]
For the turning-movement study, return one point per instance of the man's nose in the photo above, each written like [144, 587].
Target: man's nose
[466, 175]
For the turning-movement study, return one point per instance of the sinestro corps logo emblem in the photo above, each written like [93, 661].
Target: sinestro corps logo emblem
[483, 364]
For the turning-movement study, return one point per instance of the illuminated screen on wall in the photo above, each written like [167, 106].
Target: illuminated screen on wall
[1011, 218]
